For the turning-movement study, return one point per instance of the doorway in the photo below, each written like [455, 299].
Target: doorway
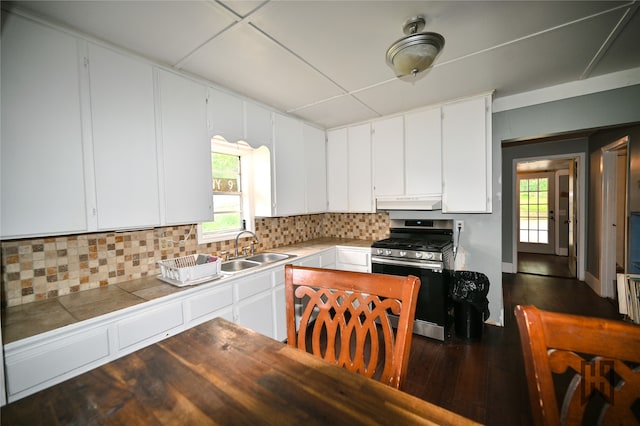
[548, 206]
[613, 256]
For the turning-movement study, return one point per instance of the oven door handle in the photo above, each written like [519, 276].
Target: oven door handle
[435, 267]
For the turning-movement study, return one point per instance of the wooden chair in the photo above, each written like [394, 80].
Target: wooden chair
[597, 358]
[343, 319]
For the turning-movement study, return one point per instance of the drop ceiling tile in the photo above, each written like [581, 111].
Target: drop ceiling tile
[473, 26]
[624, 53]
[244, 60]
[349, 39]
[164, 31]
[336, 112]
[242, 7]
[505, 69]
[345, 40]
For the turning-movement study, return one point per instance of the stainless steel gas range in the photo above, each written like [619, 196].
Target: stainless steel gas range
[423, 248]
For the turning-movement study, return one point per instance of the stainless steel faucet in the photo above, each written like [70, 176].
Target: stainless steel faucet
[238, 236]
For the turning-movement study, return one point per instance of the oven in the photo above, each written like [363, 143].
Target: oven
[423, 248]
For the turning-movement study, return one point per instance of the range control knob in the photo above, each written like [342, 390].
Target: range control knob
[428, 256]
[403, 253]
[418, 254]
[379, 251]
[387, 252]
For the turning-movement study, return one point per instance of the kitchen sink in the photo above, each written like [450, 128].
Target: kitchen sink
[238, 265]
[268, 257]
[261, 259]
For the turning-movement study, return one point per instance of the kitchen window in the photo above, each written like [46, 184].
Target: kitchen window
[231, 186]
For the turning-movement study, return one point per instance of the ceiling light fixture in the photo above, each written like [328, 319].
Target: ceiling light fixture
[415, 52]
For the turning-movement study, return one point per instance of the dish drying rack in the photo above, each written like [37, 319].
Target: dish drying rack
[190, 270]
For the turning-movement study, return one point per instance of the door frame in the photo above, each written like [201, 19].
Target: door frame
[557, 228]
[608, 165]
[580, 159]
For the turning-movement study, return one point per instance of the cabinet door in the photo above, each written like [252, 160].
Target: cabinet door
[388, 156]
[466, 156]
[41, 155]
[359, 169]
[124, 140]
[279, 303]
[258, 125]
[289, 166]
[423, 159]
[186, 150]
[315, 169]
[257, 313]
[280, 314]
[337, 175]
[226, 115]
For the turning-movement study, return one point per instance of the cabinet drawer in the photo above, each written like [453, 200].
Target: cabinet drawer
[52, 360]
[253, 285]
[209, 302]
[353, 257]
[148, 324]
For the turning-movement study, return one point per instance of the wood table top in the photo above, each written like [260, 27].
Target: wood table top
[222, 373]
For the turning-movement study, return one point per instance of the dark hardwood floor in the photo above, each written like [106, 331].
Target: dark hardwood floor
[485, 380]
[544, 264]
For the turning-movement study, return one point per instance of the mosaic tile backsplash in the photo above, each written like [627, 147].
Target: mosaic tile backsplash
[41, 268]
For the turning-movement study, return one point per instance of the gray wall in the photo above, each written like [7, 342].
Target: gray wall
[596, 142]
[601, 109]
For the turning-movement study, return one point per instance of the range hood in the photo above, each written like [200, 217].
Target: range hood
[426, 202]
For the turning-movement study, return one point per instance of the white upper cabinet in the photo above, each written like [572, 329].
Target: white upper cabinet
[423, 152]
[225, 115]
[388, 156]
[359, 170]
[124, 140]
[337, 170]
[466, 156]
[315, 169]
[186, 150]
[258, 125]
[41, 153]
[289, 166]
[349, 180]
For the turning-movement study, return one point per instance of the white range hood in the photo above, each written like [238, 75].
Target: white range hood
[409, 203]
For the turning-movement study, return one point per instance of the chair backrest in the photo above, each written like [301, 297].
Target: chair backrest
[341, 317]
[597, 359]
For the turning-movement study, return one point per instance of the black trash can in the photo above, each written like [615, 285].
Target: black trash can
[468, 292]
[468, 321]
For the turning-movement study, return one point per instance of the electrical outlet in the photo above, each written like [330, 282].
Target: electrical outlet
[166, 243]
[459, 225]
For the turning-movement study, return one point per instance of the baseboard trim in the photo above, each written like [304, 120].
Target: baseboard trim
[508, 268]
[593, 282]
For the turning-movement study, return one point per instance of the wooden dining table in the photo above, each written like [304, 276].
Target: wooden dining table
[222, 373]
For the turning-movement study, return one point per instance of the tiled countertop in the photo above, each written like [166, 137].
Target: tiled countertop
[19, 322]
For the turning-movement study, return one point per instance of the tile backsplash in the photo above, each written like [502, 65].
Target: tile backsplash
[41, 268]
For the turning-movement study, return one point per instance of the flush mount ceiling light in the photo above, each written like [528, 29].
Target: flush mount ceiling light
[415, 52]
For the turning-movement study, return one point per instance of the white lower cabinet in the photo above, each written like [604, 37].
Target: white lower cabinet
[254, 307]
[45, 362]
[149, 326]
[214, 303]
[255, 300]
[356, 259]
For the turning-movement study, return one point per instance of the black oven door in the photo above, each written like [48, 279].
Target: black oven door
[432, 305]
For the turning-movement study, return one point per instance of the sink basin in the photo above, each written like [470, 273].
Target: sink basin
[238, 265]
[268, 257]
